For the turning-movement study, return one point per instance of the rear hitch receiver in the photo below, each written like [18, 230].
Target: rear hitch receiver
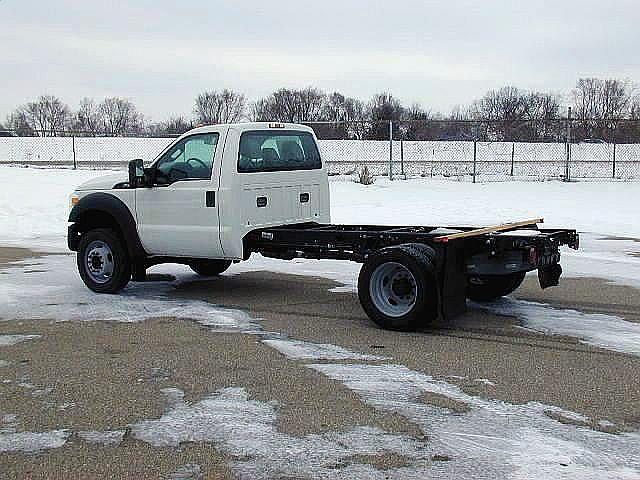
[549, 276]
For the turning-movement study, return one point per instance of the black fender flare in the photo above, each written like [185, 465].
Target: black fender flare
[96, 204]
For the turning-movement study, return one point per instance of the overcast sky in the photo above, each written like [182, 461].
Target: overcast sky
[160, 53]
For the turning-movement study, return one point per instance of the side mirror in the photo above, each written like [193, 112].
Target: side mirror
[136, 173]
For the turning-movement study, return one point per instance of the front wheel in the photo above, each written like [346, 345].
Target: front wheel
[484, 288]
[397, 288]
[103, 262]
[210, 268]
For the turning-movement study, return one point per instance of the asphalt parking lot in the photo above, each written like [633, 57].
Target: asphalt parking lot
[93, 376]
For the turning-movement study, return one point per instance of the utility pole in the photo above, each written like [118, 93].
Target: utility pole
[390, 150]
[567, 170]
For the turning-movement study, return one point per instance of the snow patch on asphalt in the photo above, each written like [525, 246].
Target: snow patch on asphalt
[600, 330]
[245, 429]
[299, 350]
[113, 437]
[8, 340]
[493, 439]
[63, 296]
[31, 442]
[189, 471]
[484, 381]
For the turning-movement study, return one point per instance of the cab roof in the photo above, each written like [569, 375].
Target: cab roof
[249, 126]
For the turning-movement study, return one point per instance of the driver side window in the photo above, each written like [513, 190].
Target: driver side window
[189, 159]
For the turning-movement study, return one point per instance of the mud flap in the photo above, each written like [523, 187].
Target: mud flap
[549, 276]
[453, 286]
[138, 271]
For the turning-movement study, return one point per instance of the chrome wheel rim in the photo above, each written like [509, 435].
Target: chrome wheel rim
[393, 289]
[99, 262]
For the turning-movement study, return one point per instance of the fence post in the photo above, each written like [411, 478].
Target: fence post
[475, 150]
[567, 173]
[513, 155]
[402, 158]
[613, 175]
[73, 148]
[390, 150]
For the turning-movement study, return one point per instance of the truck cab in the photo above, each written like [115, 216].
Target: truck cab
[207, 189]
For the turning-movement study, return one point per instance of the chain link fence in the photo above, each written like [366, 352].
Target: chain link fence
[461, 150]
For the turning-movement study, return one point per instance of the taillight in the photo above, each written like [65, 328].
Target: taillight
[533, 256]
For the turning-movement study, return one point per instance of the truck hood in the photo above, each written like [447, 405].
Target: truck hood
[106, 182]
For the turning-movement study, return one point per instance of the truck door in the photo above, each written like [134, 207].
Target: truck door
[178, 215]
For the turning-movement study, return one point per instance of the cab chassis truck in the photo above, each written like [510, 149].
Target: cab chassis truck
[219, 193]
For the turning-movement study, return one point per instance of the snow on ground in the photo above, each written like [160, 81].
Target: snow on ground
[298, 350]
[492, 439]
[189, 471]
[473, 438]
[102, 438]
[246, 429]
[606, 208]
[519, 439]
[7, 340]
[604, 331]
[62, 296]
[31, 442]
[34, 205]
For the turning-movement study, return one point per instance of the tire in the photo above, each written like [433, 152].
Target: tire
[210, 268]
[484, 288]
[397, 287]
[103, 262]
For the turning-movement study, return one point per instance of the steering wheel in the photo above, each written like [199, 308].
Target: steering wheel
[197, 160]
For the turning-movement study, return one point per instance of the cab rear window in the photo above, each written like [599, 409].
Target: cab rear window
[276, 151]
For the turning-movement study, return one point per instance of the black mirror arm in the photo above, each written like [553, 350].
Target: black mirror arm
[149, 177]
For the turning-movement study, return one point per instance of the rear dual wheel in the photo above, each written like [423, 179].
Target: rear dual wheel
[397, 287]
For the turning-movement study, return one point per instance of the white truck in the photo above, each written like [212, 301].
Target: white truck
[219, 193]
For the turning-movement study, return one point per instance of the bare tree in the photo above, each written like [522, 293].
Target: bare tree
[348, 117]
[382, 108]
[89, 117]
[600, 104]
[119, 116]
[171, 127]
[602, 99]
[47, 115]
[226, 106]
[543, 113]
[17, 121]
[509, 114]
[287, 105]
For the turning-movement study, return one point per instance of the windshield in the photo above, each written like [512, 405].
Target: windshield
[274, 151]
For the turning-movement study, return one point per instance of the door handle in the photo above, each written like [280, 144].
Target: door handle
[211, 198]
